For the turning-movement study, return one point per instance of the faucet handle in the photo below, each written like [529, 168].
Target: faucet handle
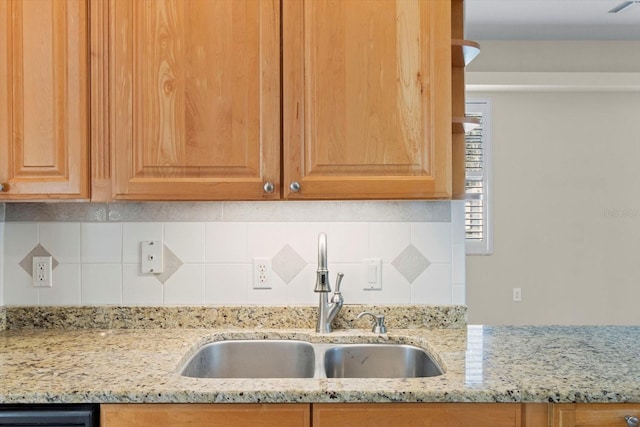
[378, 322]
[337, 298]
[338, 282]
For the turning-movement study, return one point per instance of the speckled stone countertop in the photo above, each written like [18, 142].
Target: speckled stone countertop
[482, 364]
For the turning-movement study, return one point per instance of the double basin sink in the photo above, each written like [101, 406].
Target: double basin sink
[301, 359]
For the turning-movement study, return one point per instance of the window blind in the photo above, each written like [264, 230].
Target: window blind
[477, 168]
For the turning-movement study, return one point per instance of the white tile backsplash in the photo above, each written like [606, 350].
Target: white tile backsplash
[433, 286]
[186, 286]
[458, 295]
[388, 239]
[101, 284]
[101, 243]
[19, 239]
[140, 289]
[458, 219]
[135, 232]
[433, 240]
[66, 286]
[348, 241]
[186, 240]
[62, 239]
[100, 259]
[226, 242]
[226, 284]
[17, 286]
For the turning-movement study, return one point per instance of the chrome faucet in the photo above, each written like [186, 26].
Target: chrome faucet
[327, 311]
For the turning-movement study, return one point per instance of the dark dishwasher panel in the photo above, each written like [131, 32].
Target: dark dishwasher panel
[80, 415]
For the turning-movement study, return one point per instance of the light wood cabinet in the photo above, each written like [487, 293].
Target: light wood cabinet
[593, 414]
[367, 99]
[227, 99]
[204, 415]
[417, 415]
[44, 99]
[194, 93]
[324, 415]
[194, 99]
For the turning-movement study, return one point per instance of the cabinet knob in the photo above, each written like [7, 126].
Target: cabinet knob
[295, 186]
[269, 187]
[3, 187]
[632, 421]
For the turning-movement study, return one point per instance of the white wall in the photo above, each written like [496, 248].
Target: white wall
[566, 204]
[558, 56]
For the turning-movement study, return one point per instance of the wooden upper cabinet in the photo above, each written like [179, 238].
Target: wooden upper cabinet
[44, 98]
[194, 99]
[367, 99]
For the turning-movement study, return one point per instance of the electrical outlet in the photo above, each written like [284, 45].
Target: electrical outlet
[517, 294]
[262, 273]
[42, 271]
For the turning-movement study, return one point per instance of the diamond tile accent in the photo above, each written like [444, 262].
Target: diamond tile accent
[38, 250]
[171, 264]
[287, 263]
[411, 263]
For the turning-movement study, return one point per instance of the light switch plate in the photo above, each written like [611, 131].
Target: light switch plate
[151, 256]
[372, 273]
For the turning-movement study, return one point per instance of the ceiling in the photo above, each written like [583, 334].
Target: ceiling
[550, 20]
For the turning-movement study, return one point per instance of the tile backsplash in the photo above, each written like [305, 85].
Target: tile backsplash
[209, 249]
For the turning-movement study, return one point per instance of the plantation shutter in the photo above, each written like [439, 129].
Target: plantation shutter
[477, 184]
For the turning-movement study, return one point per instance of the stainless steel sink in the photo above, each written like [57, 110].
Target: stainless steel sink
[252, 359]
[379, 361]
[300, 359]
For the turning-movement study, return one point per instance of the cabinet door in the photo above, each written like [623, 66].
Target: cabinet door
[44, 145]
[417, 415]
[593, 414]
[367, 99]
[203, 415]
[195, 99]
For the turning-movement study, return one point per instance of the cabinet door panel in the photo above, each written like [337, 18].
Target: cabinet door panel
[195, 98]
[204, 415]
[367, 98]
[44, 99]
[417, 415]
[593, 414]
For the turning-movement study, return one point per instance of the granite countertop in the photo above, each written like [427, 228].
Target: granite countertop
[482, 364]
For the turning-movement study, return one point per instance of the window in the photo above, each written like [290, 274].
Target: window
[478, 229]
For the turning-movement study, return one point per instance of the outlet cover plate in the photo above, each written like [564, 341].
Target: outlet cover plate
[151, 257]
[42, 271]
[262, 273]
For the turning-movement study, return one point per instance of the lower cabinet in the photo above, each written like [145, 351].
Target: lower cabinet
[324, 415]
[595, 414]
[205, 415]
[370, 415]
[417, 415]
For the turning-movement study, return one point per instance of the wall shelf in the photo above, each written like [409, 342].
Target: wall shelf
[463, 52]
[464, 124]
